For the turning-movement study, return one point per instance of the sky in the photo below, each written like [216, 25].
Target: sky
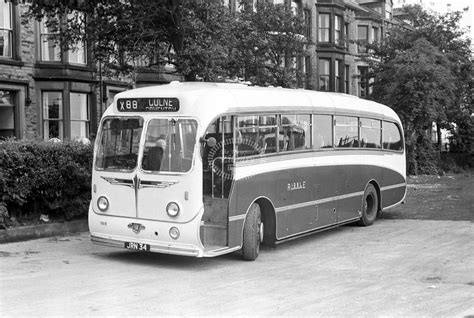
[443, 6]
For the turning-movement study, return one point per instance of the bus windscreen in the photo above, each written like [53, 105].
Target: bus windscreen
[169, 145]
[119, 144]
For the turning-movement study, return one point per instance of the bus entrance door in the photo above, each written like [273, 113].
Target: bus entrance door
[214, 223]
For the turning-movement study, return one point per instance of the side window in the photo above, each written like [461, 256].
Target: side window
[370, 133]
[249, 136]
[295, 132]
[322, 131]
[392, 138]
[267, 134]
[346, 132]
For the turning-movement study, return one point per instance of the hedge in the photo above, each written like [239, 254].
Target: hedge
[45, 178]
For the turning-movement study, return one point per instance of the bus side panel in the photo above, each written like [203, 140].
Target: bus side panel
[356, 178]
[295, 194]
[393, 188]
[296, 189]
[244, 192]
[309, 198]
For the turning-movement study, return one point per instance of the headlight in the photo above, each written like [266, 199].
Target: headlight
[172, 209]
[103, 203]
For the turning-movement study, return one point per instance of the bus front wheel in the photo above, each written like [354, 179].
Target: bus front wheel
[253, 232]
[370, 205]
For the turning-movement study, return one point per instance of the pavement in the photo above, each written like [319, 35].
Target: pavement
[24, 233]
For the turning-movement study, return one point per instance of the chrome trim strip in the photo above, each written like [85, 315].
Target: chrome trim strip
[123, 182]
[315, 202]
[155, 184]
[400, 185]
[221, 251]
[237, 217]
[132, 183]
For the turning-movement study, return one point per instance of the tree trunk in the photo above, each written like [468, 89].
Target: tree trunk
[438, 132]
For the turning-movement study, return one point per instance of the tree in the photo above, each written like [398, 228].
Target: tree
[451, 105]
[204, 40]
[418, 85]
[269, 45]
[132, 35]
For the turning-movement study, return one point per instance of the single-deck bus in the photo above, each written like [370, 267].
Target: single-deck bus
[204, 169]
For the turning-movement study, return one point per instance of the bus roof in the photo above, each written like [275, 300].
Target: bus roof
[207, 101]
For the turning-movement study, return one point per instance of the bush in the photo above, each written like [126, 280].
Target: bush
[45, 178]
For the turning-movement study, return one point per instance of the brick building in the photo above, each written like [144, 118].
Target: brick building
[46, 93]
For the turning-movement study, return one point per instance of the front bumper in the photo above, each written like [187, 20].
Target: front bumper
[157, 247]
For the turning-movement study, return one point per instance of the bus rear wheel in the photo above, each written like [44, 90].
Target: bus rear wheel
[370, 205]
[253, 232]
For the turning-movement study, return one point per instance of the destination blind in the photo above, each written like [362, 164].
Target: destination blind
[158, 104]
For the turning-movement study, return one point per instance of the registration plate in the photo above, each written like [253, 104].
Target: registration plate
[137, 246]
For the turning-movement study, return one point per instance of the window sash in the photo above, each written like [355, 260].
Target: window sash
[53, 124]
[324, 74]
[51, 48]
[324, 27]
[307, 22]
[337, 29]
[6, 29]
[79, 115]
[362, 35]
[346, 79]
[6, 14]
[363, 82]
[337, 76]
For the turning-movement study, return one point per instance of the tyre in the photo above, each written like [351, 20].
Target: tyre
[370, 206]
[253, 233]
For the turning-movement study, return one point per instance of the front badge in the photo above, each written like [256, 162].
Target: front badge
[136, 227]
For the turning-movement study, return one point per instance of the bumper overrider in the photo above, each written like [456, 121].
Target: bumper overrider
[147, 235]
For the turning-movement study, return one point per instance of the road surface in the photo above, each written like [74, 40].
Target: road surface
[393, 268]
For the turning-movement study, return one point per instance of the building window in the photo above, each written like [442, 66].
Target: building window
[363, 81]
[324, 27]
[346, 79]
[6, 29]
[307, 67]
[388, 11]
[51, 49]
[307, 23]
[301, 71]
[375, 35]
[80, 123]
[337, 29]
[53, 115]
[246, 6]
[337, 75]
[346, 35]
[324, 74]
[363, 38]
[295, 7]
[77, 55]
[7, 114]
